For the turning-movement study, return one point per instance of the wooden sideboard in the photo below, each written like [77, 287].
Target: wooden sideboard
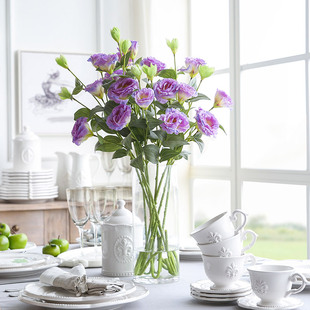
[41, 221]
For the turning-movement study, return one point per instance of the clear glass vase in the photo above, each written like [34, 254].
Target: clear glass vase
[156, 218]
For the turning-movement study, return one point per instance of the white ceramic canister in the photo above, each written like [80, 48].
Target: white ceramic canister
[27, 151]
[118, 242]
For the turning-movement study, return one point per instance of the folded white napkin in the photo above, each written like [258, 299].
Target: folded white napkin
[76, 281]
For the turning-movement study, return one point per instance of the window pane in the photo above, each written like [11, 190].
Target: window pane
[273, 117]
[210, 198]
[216, 151]
[206, 43]
[277, 213]
[271, 29]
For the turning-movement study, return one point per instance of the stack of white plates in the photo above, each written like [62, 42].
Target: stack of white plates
[43, 295]
[202, 290]
[28, 186]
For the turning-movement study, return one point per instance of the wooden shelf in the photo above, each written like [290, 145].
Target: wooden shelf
[40, 221]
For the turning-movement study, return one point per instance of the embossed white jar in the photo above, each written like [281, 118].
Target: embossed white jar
[117, 241]
[27, 151]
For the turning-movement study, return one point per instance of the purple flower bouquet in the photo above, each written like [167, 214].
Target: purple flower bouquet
[144, 112]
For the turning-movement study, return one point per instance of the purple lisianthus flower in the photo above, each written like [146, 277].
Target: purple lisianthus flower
[134, 49]
[186, 92]
[81, 131]
[108, 76]
[119, 117]
[151, 60]
[104, 62]
[222, 100]
[174, 121]
[96, 89]
[144, 97]
[122, 89]
[166, 89]
[192, 66]
[206, 122]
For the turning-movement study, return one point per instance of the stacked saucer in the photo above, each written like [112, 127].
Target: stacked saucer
[27, 186]
[203, 291]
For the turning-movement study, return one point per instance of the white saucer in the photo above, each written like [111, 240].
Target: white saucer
[250, 302]
[205, 286]
[213, 299]
[228, 295]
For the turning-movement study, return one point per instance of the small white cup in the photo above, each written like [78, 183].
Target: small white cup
[218, 228]
[230, 246]
[225, 271]
[273, 283]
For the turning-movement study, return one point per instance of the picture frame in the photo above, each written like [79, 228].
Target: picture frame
[40, 81]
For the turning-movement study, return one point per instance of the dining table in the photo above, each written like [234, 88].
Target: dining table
[175, 295]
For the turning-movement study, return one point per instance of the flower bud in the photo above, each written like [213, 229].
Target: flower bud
[115, 33]
[205, 71]
[137, 71]
[150, 71]
[61, 61]
[173, 44]
[124, 46]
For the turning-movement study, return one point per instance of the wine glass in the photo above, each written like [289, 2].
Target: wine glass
[108, 163]
[125, 168]
[79, 201]
[103, 201]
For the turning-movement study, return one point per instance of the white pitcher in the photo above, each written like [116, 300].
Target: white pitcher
[63, 174]
[81, 173]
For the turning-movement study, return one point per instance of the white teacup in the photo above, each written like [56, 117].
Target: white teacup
[218, 228]
[272, 283]
[225, 271]
[232, 246]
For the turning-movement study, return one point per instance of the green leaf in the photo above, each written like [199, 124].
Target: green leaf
[78, 87]
[151, 153]
[173, 141]
[112, 139]
[161, 106]
[119, 153]
[127, 142]
[106, 84]
[185, 154]
[205, 71]
[65, 94]
[168, 73]
[167, 154]
[83, 112]
[138, 123]
[100, 139]
[61, 61]
[102, 124]
[95, 110]
[137, 163]
[200, 144]
[124, 132]
[153, 122]
[223, 129]
[107, 147]
[199, 97]
[138, 133]
[94, 126]
[158, 135]
[177, 105]
[193, 82]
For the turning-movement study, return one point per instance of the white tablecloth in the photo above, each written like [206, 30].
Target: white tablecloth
[162, 296]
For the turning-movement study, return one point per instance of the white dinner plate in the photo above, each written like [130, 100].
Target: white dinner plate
[12, 260]
[29, 246]
[37, 172]
[109, 304]
[24, 201]
[55, 294]
[25, 271]
[213, 299]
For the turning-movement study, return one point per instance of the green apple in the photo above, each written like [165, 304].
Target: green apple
[62, 243]
[51, 249]
[5, 229]
[18, 241]
[4, 243]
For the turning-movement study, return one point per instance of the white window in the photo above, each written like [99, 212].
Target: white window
[261, 51]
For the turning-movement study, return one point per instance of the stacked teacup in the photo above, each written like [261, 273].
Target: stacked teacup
[221, 243]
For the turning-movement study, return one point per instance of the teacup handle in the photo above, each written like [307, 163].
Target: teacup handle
[293, 278]
[244, 237]
[251, 259]
[233, 217]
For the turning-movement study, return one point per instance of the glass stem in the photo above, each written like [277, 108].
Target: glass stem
[95, 235]
[81, 238]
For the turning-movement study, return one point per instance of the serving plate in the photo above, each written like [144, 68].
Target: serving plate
[29, 246]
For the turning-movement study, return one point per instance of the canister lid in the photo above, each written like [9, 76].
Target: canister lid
[26, 135]
[121, 216]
